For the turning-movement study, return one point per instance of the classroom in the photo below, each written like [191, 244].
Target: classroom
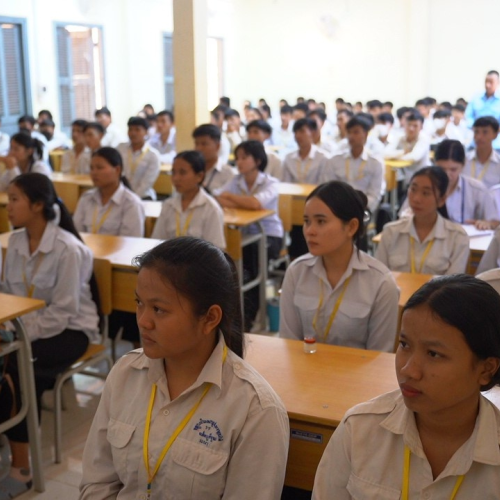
[297, 204]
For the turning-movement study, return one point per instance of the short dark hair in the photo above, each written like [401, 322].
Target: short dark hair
[47, 122]
[367, 117]
[389, 103]
[102, 111]
[45, 112]
[231, 112]
[94, 126]
[385, 118]
[319, 113]
[256, 150]
[137, 121]
[401, 111]
[204, 275]
[286, 109]
[375, 103]
[194, 158]
[459, 107]
[446, 105]
[226, 101]
[261, 125]
[415, 116]
[450, 150]
[27, 118]
[487, 121]
[165, 112]
[469, 305]
[346, 112]
[305, 122]
[79, 123]
[442, 113]
[493, 72]
[358, 121]
[301, 106]
[207, 129]
[345, 202]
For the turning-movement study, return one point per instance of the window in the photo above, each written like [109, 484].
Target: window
[215, 71]
[168, 71]
[14, 81]
[80, 72]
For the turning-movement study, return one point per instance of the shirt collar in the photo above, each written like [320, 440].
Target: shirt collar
[438, 231]
[144, 148]
[310, 156]
[494, 157]
[117, 197]
[363, 157]
[258, 182]
[211, 372]
[200, 199]
[46, 244]
[496, 95]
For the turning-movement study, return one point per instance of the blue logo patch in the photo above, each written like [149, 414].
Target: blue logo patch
[209, 431]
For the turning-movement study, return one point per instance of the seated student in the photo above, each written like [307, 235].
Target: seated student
[24, 157]
[77, 159]
[27, 124]
[306, 165]
[337, 293]
[373, 144]
[141, 164]
[260, 130]
[235, 131]
[265, 111]
[413, 146]
[320, 139]
[387, 107]
[113, 135]
[164, 139]
[55, 139]
[190, 211]
[207, 140]
[228, 430]
[436, 436]
[441, 118]
[424, 108]
[491, 258]
[217, 119]
[457, 126]
[93, 132]
[4, 141]
[357, 166]
[426, 242]
[468, 201]
[483, 163]
[374, 107]
[111, 207]
[358, 107]
[253, 190]
[45, 260]
[283, 135]
[300, 111]
[343, 116]
[383, 129]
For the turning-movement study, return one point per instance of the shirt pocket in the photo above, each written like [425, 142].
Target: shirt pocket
[119, 435]
[307, 307]
[361, 489]
[353, 318]
[398, 262]
[201, 470]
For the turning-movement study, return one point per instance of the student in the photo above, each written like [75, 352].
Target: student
[217, 119]
[27, 124]
[383, 129]
[235, 131]
[426, 242]
[141, 164]
[413, 146]
[374, 107]
[323, 135]
[55, 139]
[491, 258]
[77, 159]
[483, 163]
[441, 119]
[300, 111]
[4, 141]
[24, 157]
[111, 207]
[113, 135]
[207, 139]
[228, 430]
[164, 140]
[424, 108]
[260, 130]
[436, 436]
[336, 293]
[93, 132]
[252, 189]
[457, 126]
[190, 211]
[467, 199]
[343, 116]
[387, 107]
[306, 165]
[357, 166]
[45, 260]
[283, 135]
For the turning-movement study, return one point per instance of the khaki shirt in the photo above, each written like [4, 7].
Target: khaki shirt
[234, 447]
[364, 458]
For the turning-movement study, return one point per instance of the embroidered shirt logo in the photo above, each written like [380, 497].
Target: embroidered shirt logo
[209, 431]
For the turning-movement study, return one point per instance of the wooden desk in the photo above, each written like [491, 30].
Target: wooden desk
[391, 168]
[56, 159]
[11, 309]
[4, 219]
[409, 283]
[295, 196]
[317, 389]
[163, 184]
[69, 187]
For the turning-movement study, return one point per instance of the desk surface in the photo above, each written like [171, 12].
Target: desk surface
[289, 188]
[409, 283]
[166, 168]
[398, 163]
[12, 307]
[79, 179]
[320, 387]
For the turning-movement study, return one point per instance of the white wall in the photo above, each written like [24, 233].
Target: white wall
[397, 50]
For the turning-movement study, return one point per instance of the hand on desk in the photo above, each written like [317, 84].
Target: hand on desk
[483, 225]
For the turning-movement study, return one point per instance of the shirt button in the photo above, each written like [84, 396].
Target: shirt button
[166, 413]
[237, 366]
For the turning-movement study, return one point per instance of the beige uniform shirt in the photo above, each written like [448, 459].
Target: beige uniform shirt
[203, 219]
[364, 458]
[488, 173]
[123, 215]
[491, 258]
[234, 447]
[217, 176]
[70, 164]
[304, 171]
[368, 314]
[448, 255]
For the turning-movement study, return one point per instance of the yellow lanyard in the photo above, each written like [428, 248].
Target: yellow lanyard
[335, 308]
[183, 231]
[302, 174]
[134, 164]
[30, 287]
[175, 434]
[406, 478]
[97, 225]
[412, 255]
[348, 173]
[483, 172]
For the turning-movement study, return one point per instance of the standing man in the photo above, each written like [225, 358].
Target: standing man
[487, 104]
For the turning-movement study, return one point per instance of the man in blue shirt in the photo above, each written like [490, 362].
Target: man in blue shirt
[487, 104]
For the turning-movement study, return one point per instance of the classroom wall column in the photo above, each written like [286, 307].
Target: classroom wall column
[190, 68]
